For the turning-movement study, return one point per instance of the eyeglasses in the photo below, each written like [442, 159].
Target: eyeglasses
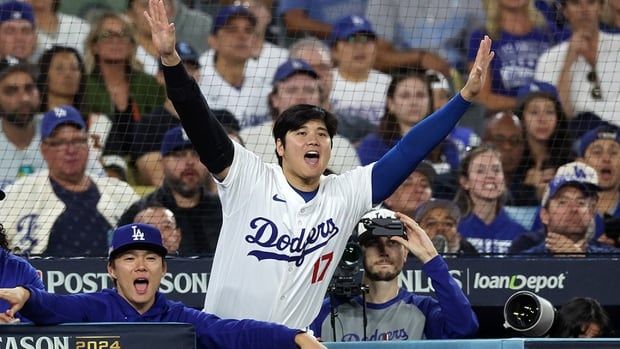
[109, 35]
[65, 143]
[595, 92]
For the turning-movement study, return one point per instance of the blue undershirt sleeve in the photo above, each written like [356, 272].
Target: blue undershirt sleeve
[395, 166]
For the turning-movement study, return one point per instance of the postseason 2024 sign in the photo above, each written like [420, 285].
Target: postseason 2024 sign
[485, 281]
[98, 336]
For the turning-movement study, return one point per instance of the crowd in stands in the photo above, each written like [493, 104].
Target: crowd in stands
[380, 66]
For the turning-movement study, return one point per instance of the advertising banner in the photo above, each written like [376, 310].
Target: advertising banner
[485, 281]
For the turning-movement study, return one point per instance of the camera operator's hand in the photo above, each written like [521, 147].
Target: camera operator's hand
[417, 241]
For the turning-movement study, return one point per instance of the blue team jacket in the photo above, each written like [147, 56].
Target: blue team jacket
[108, 306]
[15, 271]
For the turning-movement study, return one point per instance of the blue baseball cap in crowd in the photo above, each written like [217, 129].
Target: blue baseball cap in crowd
[602, 132]
[576, 174]
[137, 236]
[14, 10]
[229, 12]
[63, 115]
[538, 87]
[292, 67]
[175, 139]
[349, 25]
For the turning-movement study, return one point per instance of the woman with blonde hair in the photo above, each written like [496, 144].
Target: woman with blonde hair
[116, 84]
[520, 35]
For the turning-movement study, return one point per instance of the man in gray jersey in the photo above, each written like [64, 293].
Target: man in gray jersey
[393, 313]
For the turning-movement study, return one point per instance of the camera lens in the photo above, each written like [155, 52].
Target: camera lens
[522, 311]
[351, 257]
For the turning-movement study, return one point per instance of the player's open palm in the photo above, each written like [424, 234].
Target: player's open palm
[479, 70]
[417, 241]
[16, 297]
[162, 31]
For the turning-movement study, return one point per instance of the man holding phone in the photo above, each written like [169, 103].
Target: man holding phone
[392, 312]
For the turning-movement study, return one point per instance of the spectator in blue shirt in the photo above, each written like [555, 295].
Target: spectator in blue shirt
[485, 224]
[136, 265]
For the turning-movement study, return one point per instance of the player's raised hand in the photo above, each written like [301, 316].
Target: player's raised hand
[417, 241]
[307, 341]
[162, 32]
[16, 297]
[479, 71]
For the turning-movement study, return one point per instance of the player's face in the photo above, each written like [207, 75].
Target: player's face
[540, 119]
[184, 172]
[411, 101]
[298, 89]
[17, 38]
[414, 191]
[305, 153]
[485, 178]
[569, 213]
[66, 153]
[604, 156]
[138, 274]
[383, 259]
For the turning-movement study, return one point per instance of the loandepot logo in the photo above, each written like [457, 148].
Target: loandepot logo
[518, 282]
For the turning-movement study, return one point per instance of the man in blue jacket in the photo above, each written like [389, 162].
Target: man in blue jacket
[392, 312]
[136, 266]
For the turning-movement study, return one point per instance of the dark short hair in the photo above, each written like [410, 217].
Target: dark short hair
[296, 116]
[7, 69]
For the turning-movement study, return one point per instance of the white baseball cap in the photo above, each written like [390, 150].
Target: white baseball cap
[365, 224]
[573, 173]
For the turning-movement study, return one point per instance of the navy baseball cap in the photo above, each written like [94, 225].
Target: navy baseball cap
[62, 115]
[292, 67]
[14, 10]
[137, 236]
[175, 139]
[187, 52]
[601, 132]
[349, 25]
[576, 174]
[538, 87]
[229, 12]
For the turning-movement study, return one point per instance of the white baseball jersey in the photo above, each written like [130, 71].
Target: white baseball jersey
[276, 253]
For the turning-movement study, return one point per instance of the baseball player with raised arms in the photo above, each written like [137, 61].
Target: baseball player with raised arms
[285, 227]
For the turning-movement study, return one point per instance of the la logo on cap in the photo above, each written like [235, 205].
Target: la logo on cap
[296, 65]
[137, 235]
[16, 15]
[60, 113]
[357, 20]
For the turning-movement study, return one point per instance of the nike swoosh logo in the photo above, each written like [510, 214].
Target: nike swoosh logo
[276, 198]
